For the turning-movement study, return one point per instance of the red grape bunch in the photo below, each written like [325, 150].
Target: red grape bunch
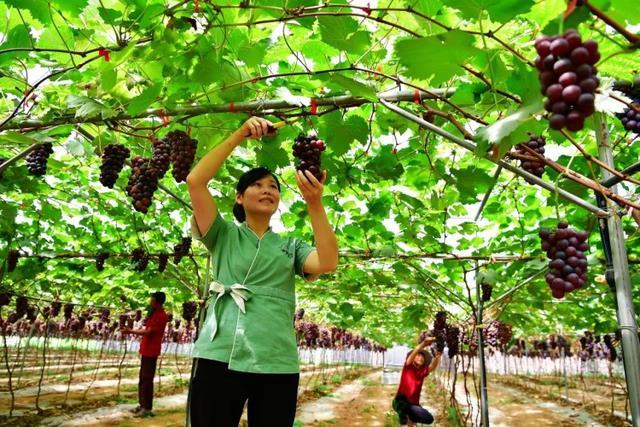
[497, 333]
[183, 153]
[141, 258]
[608, 342]
[37, 159]
[12, 260]
[143, 182]
[536, 143]
[56, 306]
[22, 305]
[123, 319]
[486, 292]
[299, 314]
[568, 78]
[308, 150]
[161, 159]
[5, 298]
[452, 337]
[189, 309]
[565, 248]
[630, 119]
[181, 250]
[100, 259]
[113, 158]
[68, 311]
[162, 262]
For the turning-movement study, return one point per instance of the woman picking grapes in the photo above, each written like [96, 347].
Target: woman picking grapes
[246, 349]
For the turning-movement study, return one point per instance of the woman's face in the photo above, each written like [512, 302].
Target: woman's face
[418, 361]
[261, 197]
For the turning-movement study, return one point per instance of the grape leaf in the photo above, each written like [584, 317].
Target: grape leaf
[418, 55]
[144, 100]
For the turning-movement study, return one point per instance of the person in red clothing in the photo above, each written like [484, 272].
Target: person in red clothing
[150, 346]
[414, 371]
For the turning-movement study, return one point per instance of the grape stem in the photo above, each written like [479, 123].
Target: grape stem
[632, 38]
[581, 179]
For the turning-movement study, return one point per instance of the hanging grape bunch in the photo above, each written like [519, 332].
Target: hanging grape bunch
[113, 158]
[138, 315]
[56, 306]
[536, 143]
[5, 298]
[568, 78]
[452, 338]
[122, 321]
[12, 260]
[22, 305]
[181, 250]
[568, 267]
[439, 330]
[310, 334]
[486, 292]
[104, 315]
[162, 262]
[32, 313]
[100, 259]
[142, 184]
[308, 150]
[68, 311]
[161, 158]
[497, 333]
[37, 159]
[141, 258]
[183, 153]
[189, 309]
[608, 342]
[630, 118]
[299, 314]
[324, 341]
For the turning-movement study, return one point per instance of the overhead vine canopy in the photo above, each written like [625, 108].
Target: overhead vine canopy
[414, 213]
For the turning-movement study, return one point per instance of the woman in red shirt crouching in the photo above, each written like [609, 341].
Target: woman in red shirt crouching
[415, 370]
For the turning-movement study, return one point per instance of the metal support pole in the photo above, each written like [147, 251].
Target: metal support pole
[484, 399]
[625, 309]
[506, 165]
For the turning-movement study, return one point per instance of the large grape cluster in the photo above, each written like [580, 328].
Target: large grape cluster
[12, 260]
[565, 248]
[497, 333]
[141, 258]
[308, 150]
[189, 309]
[142, 184]
[536, 143]
[113, 159]
[183, 153]
[100, 259]
[37, 159]
[568, 78]
[161, 159]
[181, 250]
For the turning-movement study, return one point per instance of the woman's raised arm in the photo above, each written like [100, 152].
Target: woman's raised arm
[204, 206]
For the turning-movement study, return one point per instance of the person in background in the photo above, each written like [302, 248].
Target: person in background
[415, 370]
[150, 347]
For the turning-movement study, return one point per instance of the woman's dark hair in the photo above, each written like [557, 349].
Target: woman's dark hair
[244, 182]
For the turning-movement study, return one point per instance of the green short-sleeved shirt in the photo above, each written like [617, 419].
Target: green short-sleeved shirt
[262, 339]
